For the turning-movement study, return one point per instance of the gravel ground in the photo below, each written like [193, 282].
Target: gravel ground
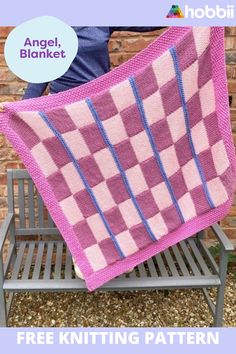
[120, 309]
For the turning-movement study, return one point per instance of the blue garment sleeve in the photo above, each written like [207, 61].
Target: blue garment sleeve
[35, 90]
[135, 29]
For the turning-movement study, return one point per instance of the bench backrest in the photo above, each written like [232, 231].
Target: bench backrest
[31, 215]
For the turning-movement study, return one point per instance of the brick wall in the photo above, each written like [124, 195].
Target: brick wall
[122, 47]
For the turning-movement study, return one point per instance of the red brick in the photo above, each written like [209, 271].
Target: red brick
[4, 31]
[7, 75]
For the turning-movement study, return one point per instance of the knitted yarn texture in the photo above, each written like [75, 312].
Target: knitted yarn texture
[136, 160]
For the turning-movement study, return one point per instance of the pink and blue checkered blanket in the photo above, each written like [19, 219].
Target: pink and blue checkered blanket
[136, 160]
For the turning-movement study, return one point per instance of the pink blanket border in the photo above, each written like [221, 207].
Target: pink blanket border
[166, 40]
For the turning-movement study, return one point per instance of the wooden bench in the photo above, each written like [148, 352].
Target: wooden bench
[35, 258]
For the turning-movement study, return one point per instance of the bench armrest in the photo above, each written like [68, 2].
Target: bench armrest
[4, 229]
[222, 238]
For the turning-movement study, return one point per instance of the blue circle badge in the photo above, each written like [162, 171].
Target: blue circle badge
[41, 50]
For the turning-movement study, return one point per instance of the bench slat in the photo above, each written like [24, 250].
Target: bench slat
[40, 211]
[31, 203]
[68, 267]
[180, 260]
[28, 261]
[171, 263]
[152, 268]
[59, 251]
[18, 261]
[161, 265]
[189, 258]
[199, 257]
[47, 269]
[21, 202]
[142, 270]
[38, 262]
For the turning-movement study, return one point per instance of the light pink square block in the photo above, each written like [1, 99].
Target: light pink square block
[163, 68]
[158, 226]
[71, 210]
[103, 196]
[122, 95]
[199, 136]
[37, 124]
[95, 257]
[106, 163]
[136, 180]
[80, 113]
[176, 124]
[97, 226]
[72, 178]
[187, 207]
[190, 80]
[129, 213]
[191, 175]
[115, 129]
[76, 144]
[141, 146]
[169, 160]
[217, 191]
[126, 243]
[207, 98]
[220, 157]
[43, 159]
[153, 108]
[162, 196]
[202, 38]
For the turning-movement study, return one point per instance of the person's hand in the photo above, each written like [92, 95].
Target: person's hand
[2, 106]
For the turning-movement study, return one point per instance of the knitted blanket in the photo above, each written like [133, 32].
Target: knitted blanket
[136, 160]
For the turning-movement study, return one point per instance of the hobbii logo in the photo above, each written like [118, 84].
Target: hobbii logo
[210, 12]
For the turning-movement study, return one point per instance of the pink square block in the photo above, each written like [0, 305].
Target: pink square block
[85, 203]
[92, 137]
[91, 170]
[217, 191]
[191, 175]
[71, 210]
[190, 80]
[122, 95]
[80, 114]
[98, 228]
[176, 124]
[201, 38]
[43, 159]
[115, 129]
[147, 204]
[126, 154]
[104, 105]
[115, 220]
[72, 178]
[158, 226]
[37, 124]
[141, 146]
[126, 243]
[95, 257]
[153, 108]
[187, 207]
[76, 144]
[106, 163]
[169, 160]
[207, 98]
[129, 213]
[117, 188]
[136, 180]
[220, 157]
[164, 61]
[200, 138]
[103, 196]
[162, 196]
